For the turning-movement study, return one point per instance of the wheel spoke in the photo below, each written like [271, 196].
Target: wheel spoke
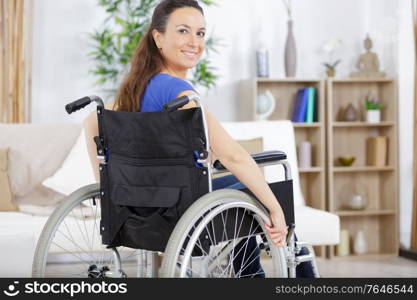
[231, 239]
[76, 235]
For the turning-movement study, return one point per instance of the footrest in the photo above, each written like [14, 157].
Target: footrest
[260, 158]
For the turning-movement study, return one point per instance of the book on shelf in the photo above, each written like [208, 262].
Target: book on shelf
[299, 107]
[305, 106]
[316, 107]
[310, 105]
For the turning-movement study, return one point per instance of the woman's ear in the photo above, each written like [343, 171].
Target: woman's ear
[157, 37]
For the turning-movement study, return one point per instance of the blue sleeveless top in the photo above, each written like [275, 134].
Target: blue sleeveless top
[161, 89]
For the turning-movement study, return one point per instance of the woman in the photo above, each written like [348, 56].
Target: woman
[172, 45]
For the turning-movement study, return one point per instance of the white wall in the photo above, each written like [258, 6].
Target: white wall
[60, 66]
[406, 62]
[266, 20]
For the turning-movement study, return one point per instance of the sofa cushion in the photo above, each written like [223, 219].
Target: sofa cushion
[36, 151]
[251, 146]
[5, 190]
[276, 135]
[316, 227]
[17, 251]
[40, 195]
[75, 172]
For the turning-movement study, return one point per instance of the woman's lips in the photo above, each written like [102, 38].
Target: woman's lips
[190, 54]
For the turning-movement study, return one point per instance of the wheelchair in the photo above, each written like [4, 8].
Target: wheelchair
[155, 202]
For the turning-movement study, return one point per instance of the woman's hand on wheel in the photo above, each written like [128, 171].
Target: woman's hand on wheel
[278, 230]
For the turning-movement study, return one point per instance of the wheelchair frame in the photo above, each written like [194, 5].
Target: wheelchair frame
[293, 247]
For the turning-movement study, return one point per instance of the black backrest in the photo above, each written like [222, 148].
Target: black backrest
[151, 175]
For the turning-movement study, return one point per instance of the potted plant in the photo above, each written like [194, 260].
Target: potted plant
[373, 109]
[329, 48]
[331, 68]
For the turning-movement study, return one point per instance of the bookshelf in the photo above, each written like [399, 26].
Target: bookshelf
[379, 220]
[312, 179]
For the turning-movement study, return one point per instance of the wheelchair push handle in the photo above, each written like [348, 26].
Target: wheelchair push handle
[83, 102]
[176, 103]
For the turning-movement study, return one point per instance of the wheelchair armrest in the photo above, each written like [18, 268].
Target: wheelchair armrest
[260, 158]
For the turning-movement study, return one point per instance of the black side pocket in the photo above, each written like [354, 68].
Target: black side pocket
[149, 233]
[153, 215]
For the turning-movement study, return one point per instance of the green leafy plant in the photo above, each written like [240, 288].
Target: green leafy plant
[121, 31]
[331, 66]
[373, 103]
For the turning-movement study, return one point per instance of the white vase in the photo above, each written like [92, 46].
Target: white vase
[305, 154]
[356, 202]
[360, 245]
[262, 62]
[290, 52]
[373, 116]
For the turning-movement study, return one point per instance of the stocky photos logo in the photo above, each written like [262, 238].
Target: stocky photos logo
[69, 288]
[11, 289]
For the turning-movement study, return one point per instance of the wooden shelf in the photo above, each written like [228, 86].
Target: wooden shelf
[362, 169]
[306, 125]
[312, 180]
[287, 80]
[377, 184]
[360, 80]
[358, 213]
[363, 124]
[311, 170]
[331, 139]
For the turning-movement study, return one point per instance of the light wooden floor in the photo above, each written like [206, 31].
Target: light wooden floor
[369, 267]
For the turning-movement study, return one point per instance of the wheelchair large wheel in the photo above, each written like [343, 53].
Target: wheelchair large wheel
[222, 235]
[70, 244]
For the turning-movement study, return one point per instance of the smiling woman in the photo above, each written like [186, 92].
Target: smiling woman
[182, 43]
[172, 45]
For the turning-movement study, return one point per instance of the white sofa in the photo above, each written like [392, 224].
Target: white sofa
[312, 225]
[38, 151]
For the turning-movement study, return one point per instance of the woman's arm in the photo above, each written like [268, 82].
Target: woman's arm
[242, 165]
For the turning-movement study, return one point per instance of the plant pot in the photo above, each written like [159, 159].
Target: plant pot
[373, 116]
[330, 72]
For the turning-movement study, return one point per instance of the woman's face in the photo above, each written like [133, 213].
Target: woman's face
[183, 41]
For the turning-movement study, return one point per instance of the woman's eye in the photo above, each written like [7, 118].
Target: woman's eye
[201, 33]
[183, 30]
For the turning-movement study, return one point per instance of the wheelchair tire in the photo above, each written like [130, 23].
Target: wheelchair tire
[70, 244]
[180, 259]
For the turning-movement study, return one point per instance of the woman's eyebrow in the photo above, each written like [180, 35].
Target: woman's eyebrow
[185, 25]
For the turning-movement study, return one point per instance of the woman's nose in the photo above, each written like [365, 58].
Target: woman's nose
[193, 40]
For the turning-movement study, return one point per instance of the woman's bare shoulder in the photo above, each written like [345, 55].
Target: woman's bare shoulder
[111, 105]
[190, 104]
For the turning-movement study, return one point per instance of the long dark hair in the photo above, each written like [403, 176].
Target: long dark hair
[147, 60]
